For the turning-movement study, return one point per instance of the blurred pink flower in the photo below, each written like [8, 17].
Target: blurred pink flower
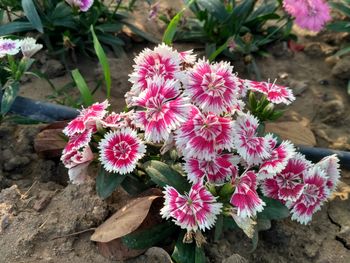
[197, 210]
[83, 5]
[330, 165]
[9, 47]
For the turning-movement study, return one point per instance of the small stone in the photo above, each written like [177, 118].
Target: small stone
[332, 111]
[332, 60]
[5, 222]
[6, 155]
[313, 50]
[53, 68]
[235, 258]
[157, 255]
[344, 236]
[341, 70]
[16, 162]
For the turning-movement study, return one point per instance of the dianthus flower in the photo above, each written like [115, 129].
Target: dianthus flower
[197, 210]
[163, 109]
[288, 184]
[216, 171]
[9, 47]
[120, 151]
[314, 193]
[274, 93]
[163, 62]
[202, 135]
[29, 47]
[245, 198]
[252, 148]
[330, 165]
[87, 119]
[78, 140]
[212, 87]
[83, 5]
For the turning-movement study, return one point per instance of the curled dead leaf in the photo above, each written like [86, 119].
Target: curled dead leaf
[116, 250]
[125, 220]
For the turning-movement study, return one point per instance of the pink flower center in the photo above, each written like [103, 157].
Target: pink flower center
[288, 180]
[213, 84]
[122, 150]
[310, 194]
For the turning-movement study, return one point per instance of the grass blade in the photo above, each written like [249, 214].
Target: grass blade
[103, 61]
[32, 15]
[83, 87]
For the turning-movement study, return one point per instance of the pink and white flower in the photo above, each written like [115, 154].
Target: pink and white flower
[245, 198]
[197, 210]
[216, 171]
[29, 47]
[83, 5]
[120, 151]
[77, 162]
[163, 62]
[212, 87]
[274, 93]
[330, 165]
[78, 141]
[187, 57]
[9, 47]
[278, 159]
[87, 119]
[315, 192]
[163, 109]
[252, 148]
[117, 120]
[295, 7]
[202, 135]
[288, 184]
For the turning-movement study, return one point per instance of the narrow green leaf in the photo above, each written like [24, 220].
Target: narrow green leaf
[83, 87]
[10, 93]
[219, 227]
[141, 33]
[149, 237]
[103, 61]
[15, 27]
[215, 7]
[255, 241]
[199, 255]
[172, 28]
[342, 52]
[133, 186]
[107, 182]
[341, 7]
[162, 174]
[183, 252]
[32, 15]
[218, 51]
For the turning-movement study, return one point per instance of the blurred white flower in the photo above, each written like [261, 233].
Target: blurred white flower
[29, 47]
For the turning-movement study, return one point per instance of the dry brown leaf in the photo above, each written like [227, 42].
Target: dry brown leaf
[125, 220]
[49, 143]
[293, 131]
[343, 191]
[116, 250]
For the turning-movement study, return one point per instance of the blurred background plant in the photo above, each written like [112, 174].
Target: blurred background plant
[231, 27]
[65, 29]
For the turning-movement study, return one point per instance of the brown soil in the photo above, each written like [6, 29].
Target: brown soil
[38, 208]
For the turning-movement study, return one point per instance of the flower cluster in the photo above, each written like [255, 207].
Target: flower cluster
[198, 109]
[309, 14]
[27, 46]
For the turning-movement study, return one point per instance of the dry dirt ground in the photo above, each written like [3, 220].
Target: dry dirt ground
[38, 208]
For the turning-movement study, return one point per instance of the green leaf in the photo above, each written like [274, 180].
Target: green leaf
[103, 61]
[342, 52]
[10, 93]
[107, 182]
[133, 186]
[172, 28]
[183, 252]
[141, 33]
[162, 174]
[219, 225]
[274, 210]
[32, 15]
[149, 237]
[83, 87]
[215, 7]
[255, 241]
[15, 27]
[110, 28]
[341, 7]
[339, 26]
[199, 255]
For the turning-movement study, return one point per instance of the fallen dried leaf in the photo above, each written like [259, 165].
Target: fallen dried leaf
[292, 131]
[49, 143]
[125, 220]
[116, 250]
